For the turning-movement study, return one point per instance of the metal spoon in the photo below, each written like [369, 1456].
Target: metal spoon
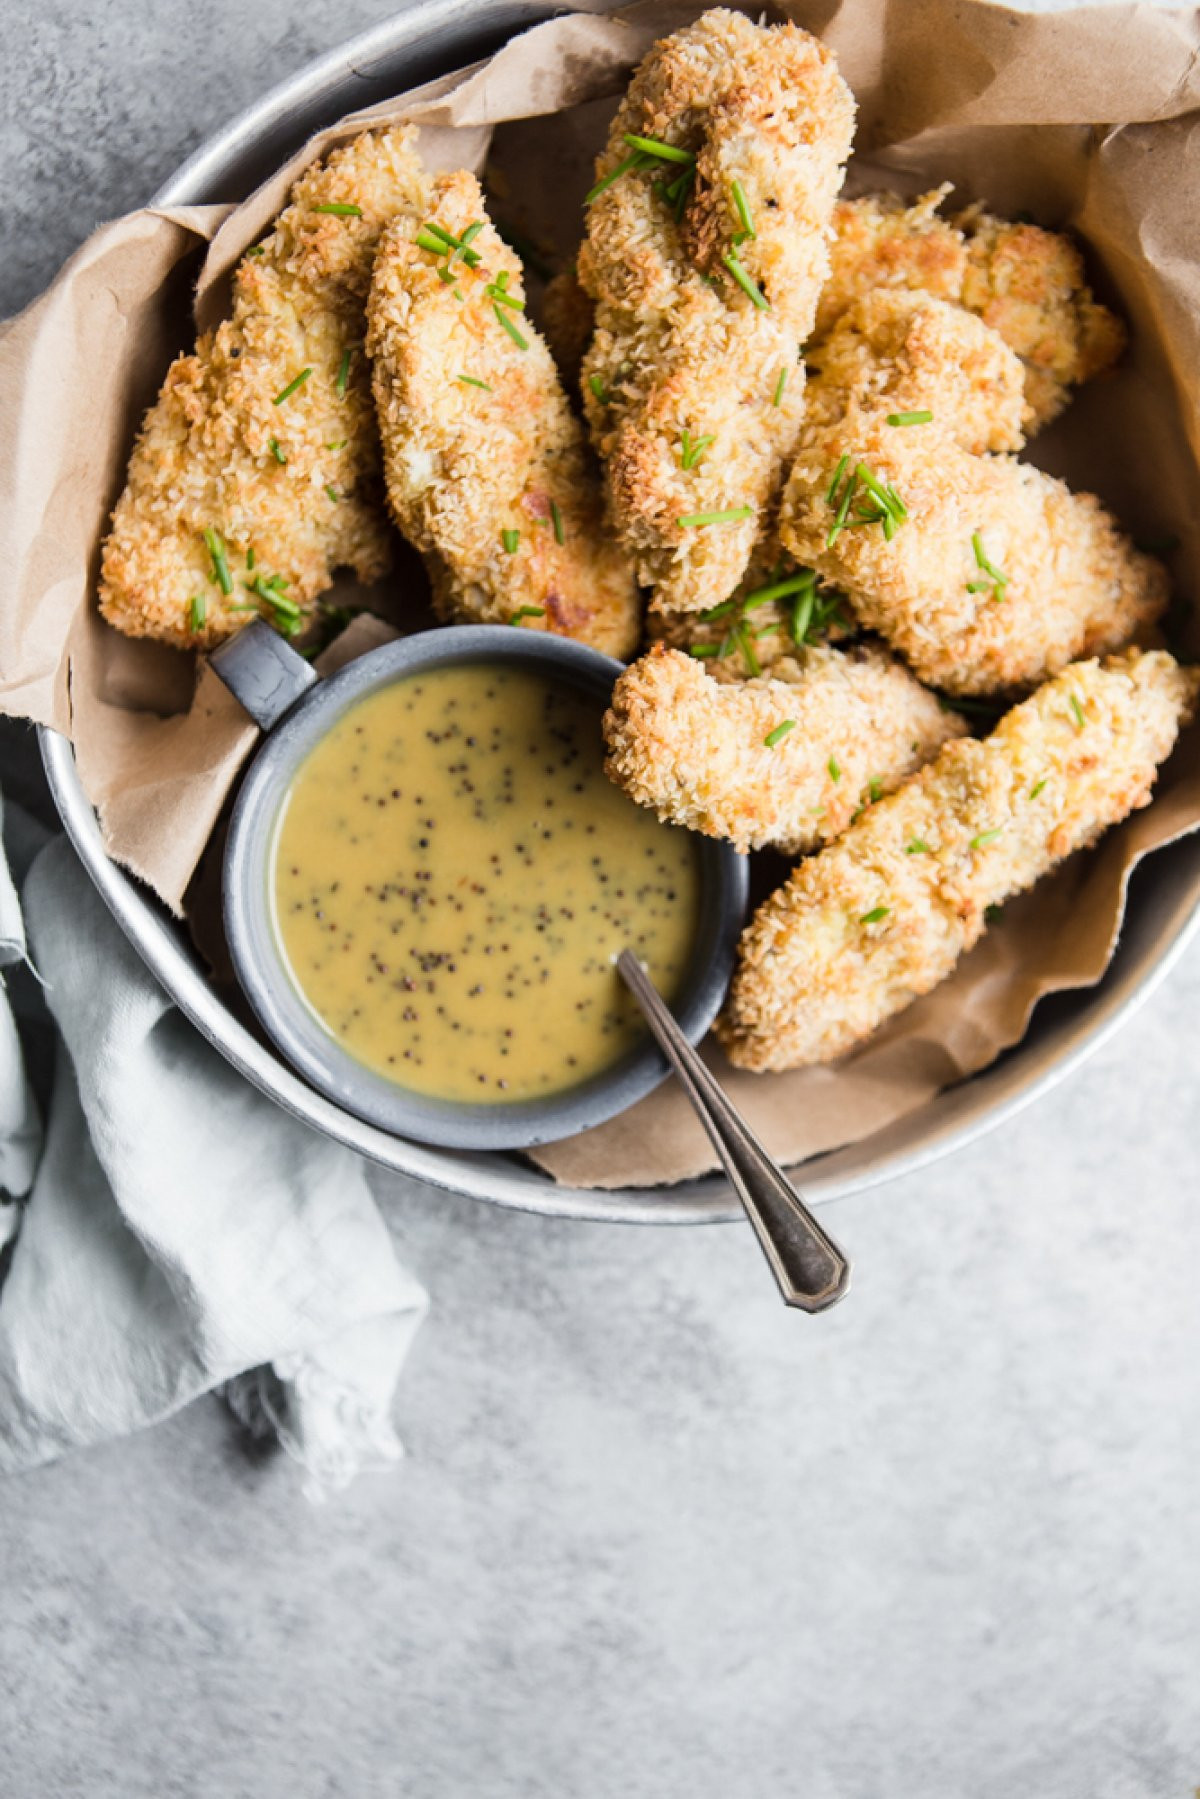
[811, 1271]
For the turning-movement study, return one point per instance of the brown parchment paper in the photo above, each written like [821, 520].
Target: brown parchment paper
[1085, 119]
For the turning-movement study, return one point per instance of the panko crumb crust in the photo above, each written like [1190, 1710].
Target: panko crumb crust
[866, 926]
[289, 485]
[785, 760]
[999, 575]
[486, 465]
[681, 346]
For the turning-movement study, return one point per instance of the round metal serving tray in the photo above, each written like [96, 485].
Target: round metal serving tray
[430, 39]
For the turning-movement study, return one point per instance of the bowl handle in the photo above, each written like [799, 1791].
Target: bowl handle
[263, 672]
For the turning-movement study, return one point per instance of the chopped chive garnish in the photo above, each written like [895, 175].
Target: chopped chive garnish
[295, 382]
[918, 847]
[704, 649]
[909, 418]
[779, 590]
[779, 733]
[721, 611]
[269, 591]
[444, 237]
[341, 209]
[257, 250]
[694, 449]
[980, 586]
[999, 578]
[1077, 710]
[767, 630]
[332, 492]
[839, 471]
[472, 231]
[777, 396]
[636, 161]
[992, 913]
[729, 517]
[343, 374]
[874, 790]
[843, 511]
[874, 915]
[502, 318]
[835, 772]
[498, 295]
[598, 388]
[510, 540]
[654, 146]
[893, 506]
[250, 557]
[277, 453]
[214, 543]
[743, 209]
[473, 381]
[802, 614]
[556, 516]
[527, 612]
[677, 194]
[425, 240]
[339, 445]
[986, 837]
[746, 645]
[1036, 789]
[746, 281]
[197, 612]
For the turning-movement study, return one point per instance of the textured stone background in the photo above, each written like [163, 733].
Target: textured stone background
[655, 1539]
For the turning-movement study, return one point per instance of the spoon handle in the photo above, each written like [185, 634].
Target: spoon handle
[810, 1269]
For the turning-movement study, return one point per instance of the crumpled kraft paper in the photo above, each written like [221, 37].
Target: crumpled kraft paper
[1085, 119]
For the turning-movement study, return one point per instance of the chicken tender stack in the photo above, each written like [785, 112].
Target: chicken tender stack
[1026, 283]
[256, 473]
[485, 463]
[705, 257]
[879, 918]
[983, 572]
[787, 760]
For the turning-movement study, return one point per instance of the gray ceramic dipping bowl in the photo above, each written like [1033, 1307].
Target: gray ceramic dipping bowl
[283, 694]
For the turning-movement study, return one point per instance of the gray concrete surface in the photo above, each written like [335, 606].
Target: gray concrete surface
[655, 1539]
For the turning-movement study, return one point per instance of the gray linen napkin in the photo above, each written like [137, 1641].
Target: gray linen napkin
[181, 1232]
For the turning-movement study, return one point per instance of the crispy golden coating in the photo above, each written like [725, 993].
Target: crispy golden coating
[1073, 585]
[293, 482]
[700, 752]
[1029, 285]
[1026, 283]
[880, 917]
[680, 347]
[481, 449]
[568, 319]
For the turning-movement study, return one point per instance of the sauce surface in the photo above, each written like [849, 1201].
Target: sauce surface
[453, 875]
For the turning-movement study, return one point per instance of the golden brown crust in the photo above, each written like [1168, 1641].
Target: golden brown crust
[467, 463]
[296, 483]
[679, 346]
[880, 917]
[696, 751]
[1075, 586]
[1026, 283]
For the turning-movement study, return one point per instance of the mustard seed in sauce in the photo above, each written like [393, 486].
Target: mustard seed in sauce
[461, 940]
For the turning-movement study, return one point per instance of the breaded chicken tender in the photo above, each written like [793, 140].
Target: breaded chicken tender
[259, 462]
[786, 760]
[868, 925]
[984, 573]
[486, 466]
[1026, 283]
[705, 265]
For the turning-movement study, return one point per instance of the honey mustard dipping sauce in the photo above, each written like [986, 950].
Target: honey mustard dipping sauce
[453, 875]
